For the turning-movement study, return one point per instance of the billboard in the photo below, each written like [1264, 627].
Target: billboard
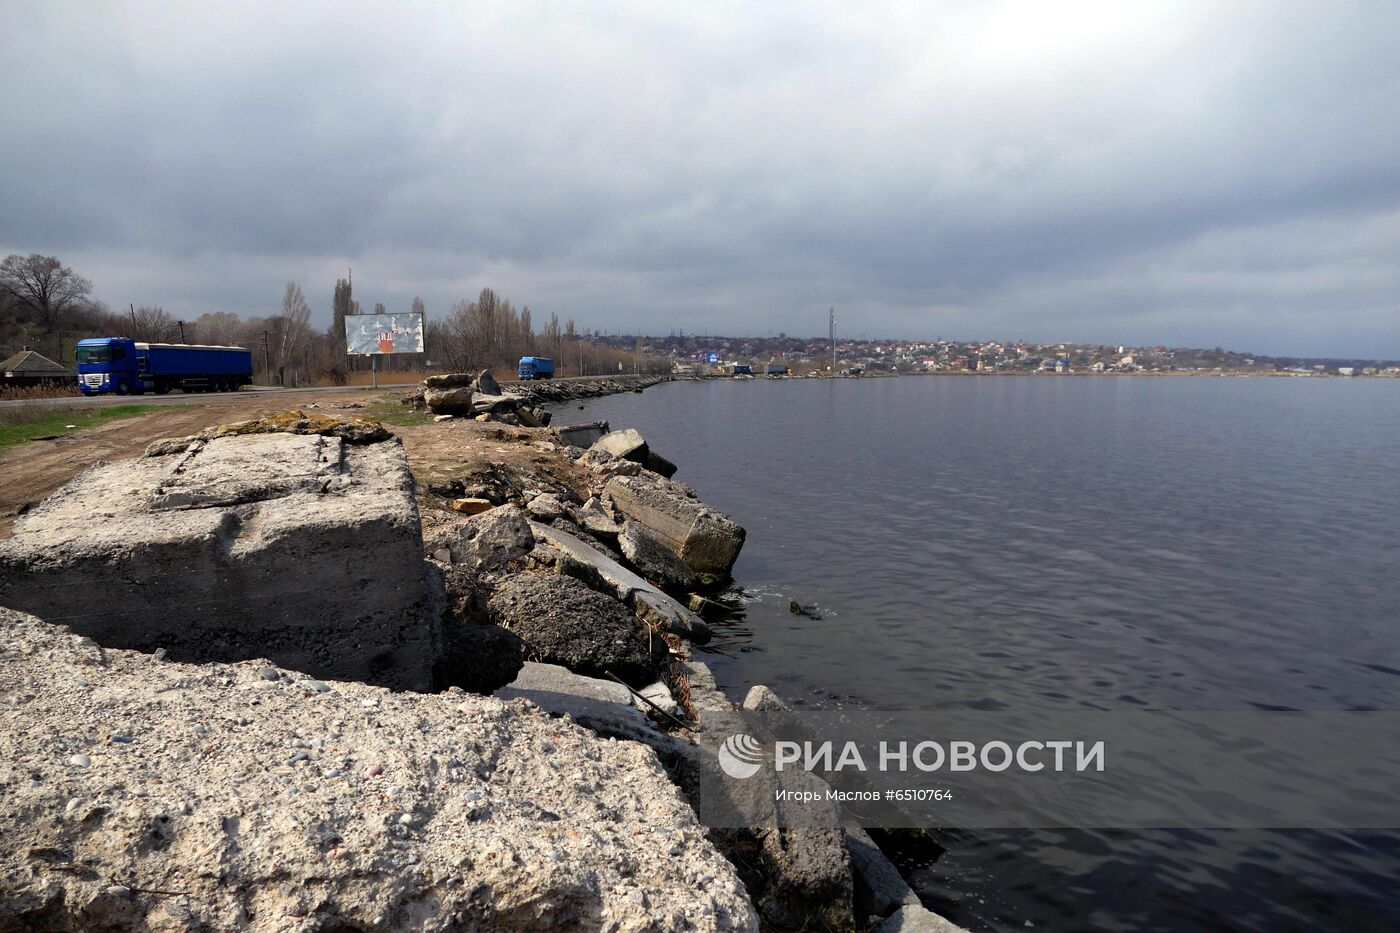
[370, 334]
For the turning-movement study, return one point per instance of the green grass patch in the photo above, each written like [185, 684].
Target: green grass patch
[389, 411]
[37, 422]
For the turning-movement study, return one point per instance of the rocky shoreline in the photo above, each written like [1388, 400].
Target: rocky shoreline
[486, 714]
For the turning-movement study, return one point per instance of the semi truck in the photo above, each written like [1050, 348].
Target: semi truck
[121, 366]
[536, 367]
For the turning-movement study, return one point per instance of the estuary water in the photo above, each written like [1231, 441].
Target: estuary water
[1064, 543]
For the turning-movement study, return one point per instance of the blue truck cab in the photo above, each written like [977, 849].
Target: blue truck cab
[536, 367]
[121, 366]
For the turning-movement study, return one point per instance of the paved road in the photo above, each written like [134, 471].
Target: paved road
[178, 398]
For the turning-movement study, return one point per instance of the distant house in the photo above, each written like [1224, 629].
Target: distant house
[30, 368]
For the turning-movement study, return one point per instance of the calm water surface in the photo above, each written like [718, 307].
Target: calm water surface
[1061, 543]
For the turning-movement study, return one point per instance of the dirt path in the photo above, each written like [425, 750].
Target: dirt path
[32, 471]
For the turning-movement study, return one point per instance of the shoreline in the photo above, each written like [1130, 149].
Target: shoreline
[533, 542]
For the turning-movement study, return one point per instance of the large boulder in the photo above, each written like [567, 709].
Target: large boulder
[449, 401]
[654, 560]
[707, 540]
[485, 542]
[139, 794]
[304, 548]
[564, 622]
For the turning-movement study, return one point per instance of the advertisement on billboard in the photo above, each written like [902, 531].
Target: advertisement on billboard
[373, 334]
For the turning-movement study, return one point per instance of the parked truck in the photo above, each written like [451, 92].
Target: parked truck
[122, 366]
[536, 367]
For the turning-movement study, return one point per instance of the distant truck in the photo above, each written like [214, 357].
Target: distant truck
[775, 369]
[536, 367]
[121, 366]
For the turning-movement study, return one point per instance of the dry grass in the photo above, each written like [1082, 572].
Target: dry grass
[51, 390]
[386, 377]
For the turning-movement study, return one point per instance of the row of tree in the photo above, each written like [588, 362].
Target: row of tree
[45, 305]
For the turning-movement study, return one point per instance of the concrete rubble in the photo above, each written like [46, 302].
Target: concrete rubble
[141, 794]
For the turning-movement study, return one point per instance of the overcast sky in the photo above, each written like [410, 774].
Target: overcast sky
[1185, 173]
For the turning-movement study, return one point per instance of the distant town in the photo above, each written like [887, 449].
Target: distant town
[784, 355]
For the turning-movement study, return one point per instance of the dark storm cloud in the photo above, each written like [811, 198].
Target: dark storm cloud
[1187, 174]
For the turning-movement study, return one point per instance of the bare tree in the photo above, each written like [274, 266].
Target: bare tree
[295, 327]
[40, 293]
[218, 328]
[153, 325]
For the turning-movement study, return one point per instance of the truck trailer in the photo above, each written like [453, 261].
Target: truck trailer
[122, 366]
[536, 367]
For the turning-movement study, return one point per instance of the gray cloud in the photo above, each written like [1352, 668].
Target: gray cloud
[1086, 171]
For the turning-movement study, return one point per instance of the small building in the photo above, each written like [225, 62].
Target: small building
[31, 368]
[741, 369]
[775, 369]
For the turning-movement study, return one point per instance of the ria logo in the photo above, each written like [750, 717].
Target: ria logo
[740, 756]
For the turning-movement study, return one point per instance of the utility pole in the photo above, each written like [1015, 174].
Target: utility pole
[267, 361]
[831, 326]
[182, 331]
[132, 306]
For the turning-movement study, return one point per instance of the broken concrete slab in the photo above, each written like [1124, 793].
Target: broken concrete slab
[302, 548]
[661, 611]
[653, 560]
[588, 700]
[627, 444]
[649, 602]
[581, 435]
[487, 384]
[707, 540]
[449, 401]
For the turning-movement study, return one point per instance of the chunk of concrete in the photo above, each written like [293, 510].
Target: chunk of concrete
[546, 507]
[650, 604]
[705, 539]
[449, 401]
[659, 696]
[916, 919]
[597, 519]
[661, 611]
[581, 435]
[448, 381]
[604, 706]
[627, 444]
[487, 541]
[486, 383]
[654, 560]
[301, 548]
